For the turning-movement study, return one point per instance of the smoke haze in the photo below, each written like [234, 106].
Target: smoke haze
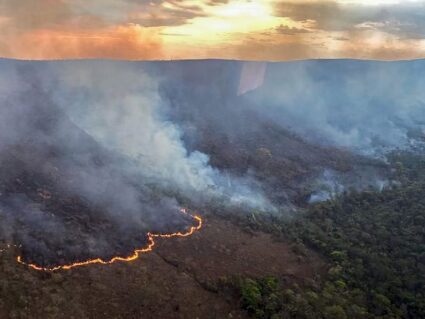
[94, 154]
[365, 106]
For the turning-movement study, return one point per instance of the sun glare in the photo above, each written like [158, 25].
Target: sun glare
[227, 21]
[255, 9]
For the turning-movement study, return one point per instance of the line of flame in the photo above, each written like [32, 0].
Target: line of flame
[134, 256]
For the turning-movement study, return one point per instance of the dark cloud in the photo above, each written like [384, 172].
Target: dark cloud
[216, 2]
[286, 30]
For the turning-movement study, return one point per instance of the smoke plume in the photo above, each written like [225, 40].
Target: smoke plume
[91, 163]
[95, 154]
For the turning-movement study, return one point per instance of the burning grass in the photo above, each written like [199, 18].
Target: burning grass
[134, 256]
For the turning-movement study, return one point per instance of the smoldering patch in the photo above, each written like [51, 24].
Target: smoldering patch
[55, 226]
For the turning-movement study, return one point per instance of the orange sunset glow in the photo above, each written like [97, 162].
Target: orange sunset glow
[195, 29]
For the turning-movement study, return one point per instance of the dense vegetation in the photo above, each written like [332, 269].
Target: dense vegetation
[375, 244]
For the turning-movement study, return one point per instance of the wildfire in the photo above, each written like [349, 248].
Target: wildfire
[134, 256]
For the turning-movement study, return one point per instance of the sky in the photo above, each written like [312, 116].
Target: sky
[272, 30]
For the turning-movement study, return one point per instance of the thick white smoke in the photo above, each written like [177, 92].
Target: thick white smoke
[90, 161]
[120, 107]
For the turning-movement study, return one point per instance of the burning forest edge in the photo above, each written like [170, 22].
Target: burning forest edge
[136, 254]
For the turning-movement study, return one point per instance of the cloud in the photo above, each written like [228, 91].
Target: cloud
[406, 20]
[287, 30]
[123, 29]
[62, 14]
[158, 29]
[170, 13]
[25, 14]
[217, 2]
[307, 10]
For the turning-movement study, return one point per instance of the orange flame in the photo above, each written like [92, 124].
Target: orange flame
[134, 256]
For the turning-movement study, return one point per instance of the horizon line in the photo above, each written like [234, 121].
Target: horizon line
[211, 59]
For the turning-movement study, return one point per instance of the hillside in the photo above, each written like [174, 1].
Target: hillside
[307, 176]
